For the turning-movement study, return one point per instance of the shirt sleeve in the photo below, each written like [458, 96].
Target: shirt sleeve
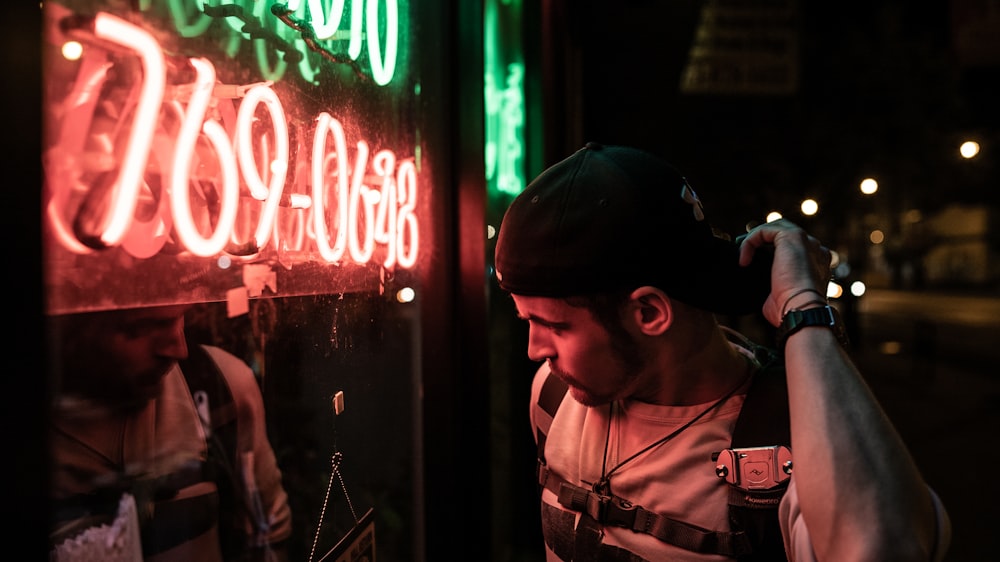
[798, 543]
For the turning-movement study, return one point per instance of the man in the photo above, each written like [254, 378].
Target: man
[149, 460]
[609, 258]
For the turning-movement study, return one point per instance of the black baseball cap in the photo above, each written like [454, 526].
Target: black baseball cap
[615, 218]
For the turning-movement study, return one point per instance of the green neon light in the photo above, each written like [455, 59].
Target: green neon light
[273, 73]
[307, 69]
[182, 16]
[354, 48]
[299, 30]
[503, 97]
[382, 68]
[325, 19]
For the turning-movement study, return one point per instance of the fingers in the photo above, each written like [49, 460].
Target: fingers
[781, 231]
[823, 260]
[761, 235]
[800, 259]
[748, 245]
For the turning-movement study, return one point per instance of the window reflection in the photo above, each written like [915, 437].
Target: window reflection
[141, 412]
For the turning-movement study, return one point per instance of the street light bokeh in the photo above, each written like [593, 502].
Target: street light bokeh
[969, 149]
[869, 186]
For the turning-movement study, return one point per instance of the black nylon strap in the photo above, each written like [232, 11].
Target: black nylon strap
[587, 540]
[618, 512]
[178, 521]
[764, 419]
[549, 399]
[203, 374]
[763, 422]
[553, 390]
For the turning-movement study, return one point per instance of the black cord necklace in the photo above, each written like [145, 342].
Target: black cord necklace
[603, 486]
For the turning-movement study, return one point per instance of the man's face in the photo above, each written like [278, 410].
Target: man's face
[120, 357]
[598, 368]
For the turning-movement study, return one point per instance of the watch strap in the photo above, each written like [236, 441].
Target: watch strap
[824, 316]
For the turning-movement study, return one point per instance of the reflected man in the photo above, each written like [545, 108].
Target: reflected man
[158, 445]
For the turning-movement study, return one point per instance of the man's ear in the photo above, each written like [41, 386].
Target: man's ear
[651, 310]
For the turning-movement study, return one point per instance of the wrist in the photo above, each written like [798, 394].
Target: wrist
[809, 316]
[801, 299]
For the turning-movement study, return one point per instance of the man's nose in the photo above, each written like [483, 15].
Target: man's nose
[539, 347]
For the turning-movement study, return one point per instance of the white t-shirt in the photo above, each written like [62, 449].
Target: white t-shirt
[676, 479]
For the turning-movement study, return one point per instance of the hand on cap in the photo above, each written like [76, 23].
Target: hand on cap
[801, 263]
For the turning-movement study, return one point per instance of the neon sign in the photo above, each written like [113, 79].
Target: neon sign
[504, 97]
[352, 202]
[374, 24]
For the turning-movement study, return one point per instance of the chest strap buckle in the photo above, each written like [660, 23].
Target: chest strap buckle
[610, 510]
[606, 510]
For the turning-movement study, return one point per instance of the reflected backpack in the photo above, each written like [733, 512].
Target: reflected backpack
[755, 534]
[216, 407]
[174, 522]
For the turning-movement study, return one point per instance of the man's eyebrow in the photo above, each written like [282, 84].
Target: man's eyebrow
[539, 320]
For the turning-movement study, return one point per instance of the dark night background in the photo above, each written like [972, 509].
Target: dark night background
[884, 88]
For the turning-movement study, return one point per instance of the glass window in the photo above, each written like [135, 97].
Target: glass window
[246, 176]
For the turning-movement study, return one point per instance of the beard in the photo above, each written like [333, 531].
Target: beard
[124, 392]
[629, 360]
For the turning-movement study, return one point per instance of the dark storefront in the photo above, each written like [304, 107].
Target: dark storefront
[309, 178]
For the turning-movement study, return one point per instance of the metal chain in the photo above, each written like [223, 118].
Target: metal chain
[334, 470]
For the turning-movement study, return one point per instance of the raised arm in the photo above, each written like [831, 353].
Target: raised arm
[860, 492]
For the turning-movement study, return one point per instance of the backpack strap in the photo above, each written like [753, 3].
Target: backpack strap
[551, 396]
[611, 510]
[763, 422]
[764, 418]
[216, 407]
[176, 521]
[756, 535]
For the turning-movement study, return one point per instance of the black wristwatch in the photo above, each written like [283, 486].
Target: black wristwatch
[795, 320]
